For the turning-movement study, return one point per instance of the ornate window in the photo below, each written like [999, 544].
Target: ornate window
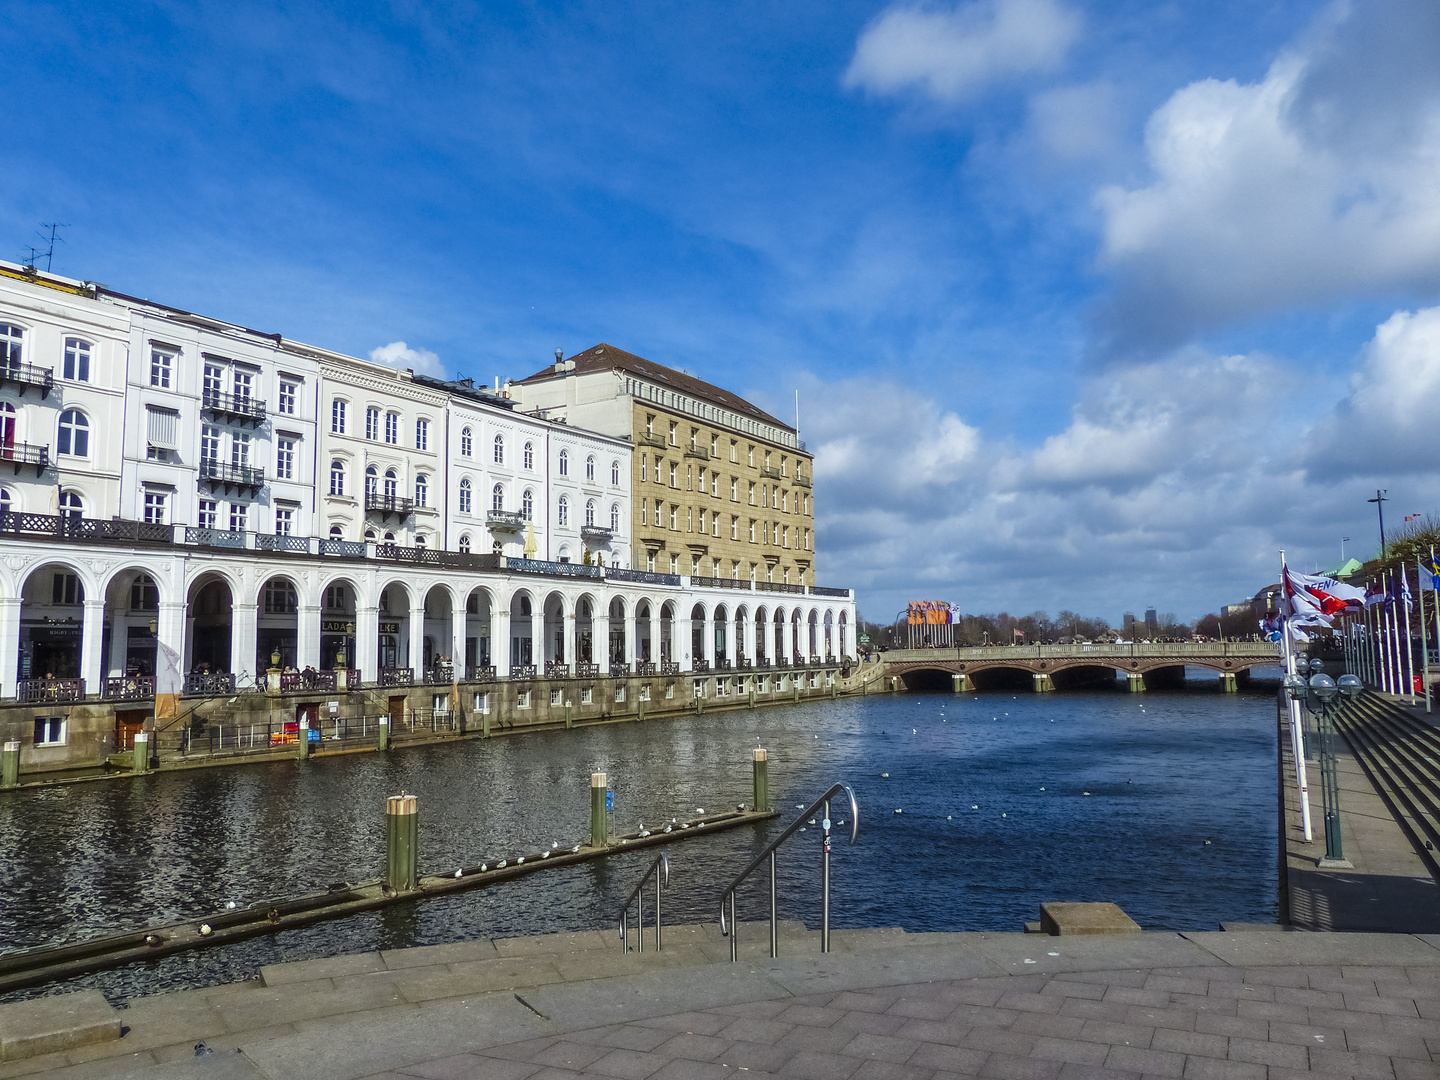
[590, 467]
[529, 455]
[497, 497]
[465, 543]
[500, 449]
[615, 517]
[422, 488]
[465, 496]
[372, 481]
[615, 473]
[391, 484]
[372, 423]
[337, 416]
[392, 428]
[422, 434]
[564, 462]
[466, 442]
[590, 512]
[562, 514]
[337, 477]
[12, 343]
[527, 505]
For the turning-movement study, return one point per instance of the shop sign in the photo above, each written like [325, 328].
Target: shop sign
[336, 626]
[389, 628]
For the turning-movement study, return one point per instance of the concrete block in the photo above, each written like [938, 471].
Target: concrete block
[1059, 919]
[61, 1022]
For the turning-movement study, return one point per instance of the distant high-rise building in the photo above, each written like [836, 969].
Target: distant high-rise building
[1152, 625]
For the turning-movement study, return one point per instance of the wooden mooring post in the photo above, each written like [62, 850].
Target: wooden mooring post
[10, 765]
[402, 842]
[761, 768]
[599, 813]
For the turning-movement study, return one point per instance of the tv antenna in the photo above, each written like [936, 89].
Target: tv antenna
[49, 252]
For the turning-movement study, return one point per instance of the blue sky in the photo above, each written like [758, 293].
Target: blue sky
[1089, 305]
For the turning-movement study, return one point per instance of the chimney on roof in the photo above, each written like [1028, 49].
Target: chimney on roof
[559, 359]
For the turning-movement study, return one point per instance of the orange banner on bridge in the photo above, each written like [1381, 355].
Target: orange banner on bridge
[928, 613]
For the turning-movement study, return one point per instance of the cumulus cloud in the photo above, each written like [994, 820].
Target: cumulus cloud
[1320, 181]
[951, 55]
[1173, 483]
[399, 355]
[1388, 418]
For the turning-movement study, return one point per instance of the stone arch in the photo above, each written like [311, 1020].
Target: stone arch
[210, 622]
[133, 595]
[587, 609]
[615, 649]
[53, 595]
[278, 599]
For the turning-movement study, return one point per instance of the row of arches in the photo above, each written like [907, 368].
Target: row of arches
[66, 622]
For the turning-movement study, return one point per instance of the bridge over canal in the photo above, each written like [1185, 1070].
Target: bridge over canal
[1059, 667]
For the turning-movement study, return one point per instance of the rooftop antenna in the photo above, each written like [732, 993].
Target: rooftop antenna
[54, 227]
[31, 258]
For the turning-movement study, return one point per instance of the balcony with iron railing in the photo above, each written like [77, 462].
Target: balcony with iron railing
[208, 684]
[824, 590]
[22, 454]
[440, 674]
[396, 676]
[128, 688]
[618, 671]
[557, 669]
[669, 667]
[803, 481]
[700, 667]
[586, 670]
[719, 582]
[779, 586]
[480, 673]
[641, 577]
[385, 505]
[522, 671]
[771, 474]
[698, 451]
[233, 407]
[26, 376]
[508, 520]
[650, 439]
[45, 691]
[554, 569]
[231, 476]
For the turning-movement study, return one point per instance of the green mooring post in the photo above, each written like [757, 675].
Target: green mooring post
[1228, 683]
[382, 733]
[402, 842]
[761, 767]
[140, 753]
[599, 823]
[752, 695]
[10, 765]
[485, 724]
[302, 742]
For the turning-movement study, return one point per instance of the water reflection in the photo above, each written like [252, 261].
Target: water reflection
[1165, 773]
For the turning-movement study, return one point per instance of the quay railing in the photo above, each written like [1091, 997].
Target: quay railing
[439, 674]
[557, 669]
[209, 684]
[396, 676]
[660, 871]
[731, 929]
[480, 673]
[522, 671]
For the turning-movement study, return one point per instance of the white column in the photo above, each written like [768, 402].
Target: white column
[119, 641]
[417, 636]
[367, 643]
[171, 630]
[600, 636]
[632, 640]
[458, 628]
[537, 638]
[243, 624]
[307, 636]
[707, 641]
[570, 656]
[655, 636]
[94, 628]
[500, 640]
[784, 653]
[9, 644]
[686, 629]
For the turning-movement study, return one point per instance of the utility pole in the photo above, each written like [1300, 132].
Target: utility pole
[1379, 502]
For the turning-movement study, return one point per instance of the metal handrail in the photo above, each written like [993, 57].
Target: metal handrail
[660, 870]
[733, 928]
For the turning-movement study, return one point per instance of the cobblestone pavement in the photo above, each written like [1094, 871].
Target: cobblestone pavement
[1200, 1023]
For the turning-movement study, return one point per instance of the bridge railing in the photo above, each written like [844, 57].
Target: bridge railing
[1248, 650]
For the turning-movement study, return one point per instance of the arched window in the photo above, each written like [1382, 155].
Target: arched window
[465, 496]
[369, 534]
[499, 449]
[564, 462]
[420, 540]
[337, 477]
[389, 538]
[74, 433]
[614, 517]
[422, 488]
[465, 442]
[4, 501]
[527, 505]
[590, 467]
[337, 533]
[77, 359]
[497, 497]
[465, 543]
[372, 481]
[71, 505]
[564, 553]
[12, 339]
[590, 512]
[391, 484]
[562, 515]
[615, 473]
[529, 455]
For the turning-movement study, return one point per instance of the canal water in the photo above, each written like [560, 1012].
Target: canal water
[1163, 803]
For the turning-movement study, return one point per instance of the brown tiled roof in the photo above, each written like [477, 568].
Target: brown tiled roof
[605, 357]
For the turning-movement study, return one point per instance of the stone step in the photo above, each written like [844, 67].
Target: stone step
[49, 1025]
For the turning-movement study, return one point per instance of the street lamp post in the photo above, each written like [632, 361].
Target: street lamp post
[1321, 696]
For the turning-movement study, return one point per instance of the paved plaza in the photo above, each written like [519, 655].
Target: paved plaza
[1257, 1005]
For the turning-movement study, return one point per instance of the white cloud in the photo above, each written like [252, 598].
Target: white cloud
[953, 54]
[399, 355]
[1318, 182]
[1078, 123]
[1389, 417]
[1173, 484]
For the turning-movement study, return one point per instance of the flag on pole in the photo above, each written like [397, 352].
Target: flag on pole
[1374, 595]
[1328, 594]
